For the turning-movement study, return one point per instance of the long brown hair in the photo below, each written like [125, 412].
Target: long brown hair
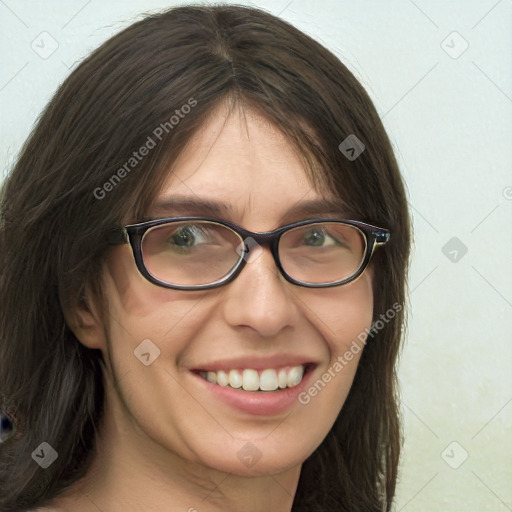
[56, 213]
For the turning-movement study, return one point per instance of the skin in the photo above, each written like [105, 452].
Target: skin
[165, 441]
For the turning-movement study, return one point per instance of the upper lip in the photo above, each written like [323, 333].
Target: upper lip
[256, 362]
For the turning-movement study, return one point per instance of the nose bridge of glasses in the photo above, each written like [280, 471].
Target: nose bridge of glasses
[263, 239]
[254, 244]
[254, 240]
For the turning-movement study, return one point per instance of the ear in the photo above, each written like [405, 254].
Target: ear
[86, 322]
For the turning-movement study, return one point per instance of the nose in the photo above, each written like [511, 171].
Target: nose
[260, 297]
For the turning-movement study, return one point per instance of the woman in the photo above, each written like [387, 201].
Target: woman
[157, 351]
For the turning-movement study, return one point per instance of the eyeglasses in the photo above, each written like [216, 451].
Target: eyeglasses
[194, 253]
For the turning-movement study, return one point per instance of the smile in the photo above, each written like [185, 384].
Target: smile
[248, 379]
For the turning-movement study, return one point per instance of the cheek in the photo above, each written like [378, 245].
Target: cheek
[149, 327]
[140, 309]
[169, 320]
[341, 314]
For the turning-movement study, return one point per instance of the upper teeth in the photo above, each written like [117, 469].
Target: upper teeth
[250, 380]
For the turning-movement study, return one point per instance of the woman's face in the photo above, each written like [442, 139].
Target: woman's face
[258, 321]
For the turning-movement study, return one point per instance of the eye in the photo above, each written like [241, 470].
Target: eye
[187, 236]
[317, 237]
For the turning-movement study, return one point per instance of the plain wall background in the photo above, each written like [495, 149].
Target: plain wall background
[448, 111]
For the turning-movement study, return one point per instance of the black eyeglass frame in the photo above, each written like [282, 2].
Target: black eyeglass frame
[134, 234]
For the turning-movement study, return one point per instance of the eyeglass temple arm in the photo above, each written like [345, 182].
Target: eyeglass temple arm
[117, 236]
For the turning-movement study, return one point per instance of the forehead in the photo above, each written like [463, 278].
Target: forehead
[242, 161]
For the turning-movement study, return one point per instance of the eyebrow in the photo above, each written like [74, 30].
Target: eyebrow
[193, 206]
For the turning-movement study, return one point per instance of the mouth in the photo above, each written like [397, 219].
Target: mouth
[258, 386]
[263, 380]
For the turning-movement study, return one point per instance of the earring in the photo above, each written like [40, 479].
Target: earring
[7, 426]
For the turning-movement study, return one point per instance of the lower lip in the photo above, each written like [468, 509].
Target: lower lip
[263, 403]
